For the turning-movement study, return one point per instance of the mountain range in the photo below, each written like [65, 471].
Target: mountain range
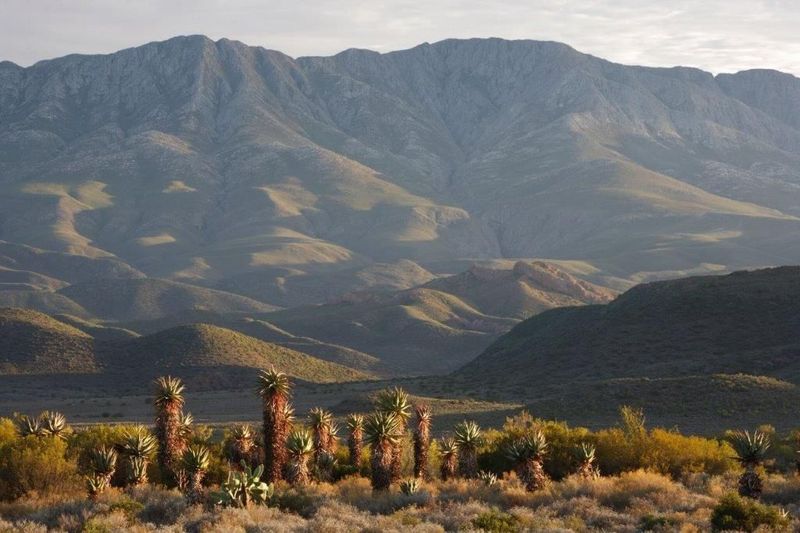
[214, 207]
[242, 169]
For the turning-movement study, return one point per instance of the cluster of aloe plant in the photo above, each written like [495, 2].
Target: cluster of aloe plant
[46, 424]
[302, 453]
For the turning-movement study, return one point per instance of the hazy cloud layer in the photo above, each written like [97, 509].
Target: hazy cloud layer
[716, 35]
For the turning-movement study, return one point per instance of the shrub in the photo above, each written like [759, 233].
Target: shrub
[36, 464]
[671, 453]
[8, 431]
[562, 441]
[650, 522]
[496, 521]
[734, 513]
[667, 452]
[127, 506]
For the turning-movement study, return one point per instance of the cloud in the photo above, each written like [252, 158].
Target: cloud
[716, 35]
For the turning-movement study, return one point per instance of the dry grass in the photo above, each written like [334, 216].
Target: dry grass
[633, 501]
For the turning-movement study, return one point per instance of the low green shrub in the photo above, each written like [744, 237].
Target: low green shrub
[734, 513]
[36, 465]
[496, 521]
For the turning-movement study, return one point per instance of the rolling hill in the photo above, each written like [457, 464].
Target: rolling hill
[207, 347]
[35, 343]
[293, 180]
[147, 299]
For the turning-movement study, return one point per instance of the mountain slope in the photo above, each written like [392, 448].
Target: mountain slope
[745, 322]
[34, 343]
[202, 346]
[261, 329]
[236, 167]
[701, 353]
[140, 299]
[527, 289]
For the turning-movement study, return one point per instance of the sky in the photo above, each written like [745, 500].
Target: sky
[715, 35]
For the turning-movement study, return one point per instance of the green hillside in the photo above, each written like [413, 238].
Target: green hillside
[34, 343]
[206, 346]
[745, 322]
[662, 345]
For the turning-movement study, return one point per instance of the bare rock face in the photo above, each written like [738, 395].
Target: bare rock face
[232, 166]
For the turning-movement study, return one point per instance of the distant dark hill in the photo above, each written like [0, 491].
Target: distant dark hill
[703, 404]
[205, 346]
[746, 322]
[147, 299]
[703, 353]
[34, 343]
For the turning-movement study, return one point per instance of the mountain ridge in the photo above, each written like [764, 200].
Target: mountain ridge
[222, 165]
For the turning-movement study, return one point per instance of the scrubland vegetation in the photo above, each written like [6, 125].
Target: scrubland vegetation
[385, 471]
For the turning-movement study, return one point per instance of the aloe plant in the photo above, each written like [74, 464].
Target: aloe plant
[103, 462]
[196, 460]
[587, 457]
[528, 456]
[469, 437]
[488, 478]
[395, 401]
[382, 433]
[274, 389]
[137, 446]
[751, 450]
[409, 487]
[448, 450]
[54, 424]
[422, 440]
[355, 438]
[169, 402]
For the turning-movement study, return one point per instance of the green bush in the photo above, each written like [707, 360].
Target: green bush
[562, 440]
[36, 465]
[621, 449]
[734, 513]
[129, 507]
[8, 431]
[496, 521]
[669, 452]
[659, 450]
[651, 522]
